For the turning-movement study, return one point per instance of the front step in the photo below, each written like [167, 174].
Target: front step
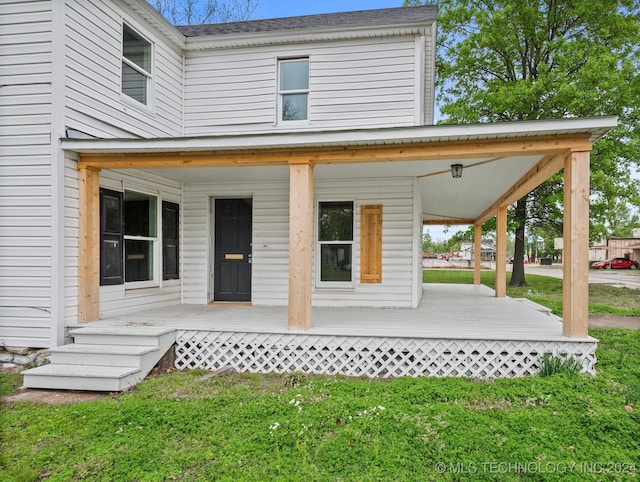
[100, 355]
[115, 335]
[82, 377]
[103, 359]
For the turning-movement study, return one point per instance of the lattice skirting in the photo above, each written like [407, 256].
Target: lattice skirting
[371, 356]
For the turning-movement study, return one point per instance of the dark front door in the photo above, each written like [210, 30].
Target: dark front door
[232, 275]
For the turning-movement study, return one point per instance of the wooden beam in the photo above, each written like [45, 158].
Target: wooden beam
[339, 155]
[543, 170]
[88, 245]
[477, 253]
[575, 285]
[501, 253]
[300, 245]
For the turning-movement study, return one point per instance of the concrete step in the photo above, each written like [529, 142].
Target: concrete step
[100, 355]
[120, 335]
[103, 359]
[82, 377]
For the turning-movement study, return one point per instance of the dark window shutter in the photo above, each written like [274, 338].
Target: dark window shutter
[170, 245]
[111, 254]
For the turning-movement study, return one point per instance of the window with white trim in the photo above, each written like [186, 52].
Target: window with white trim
[133, 248]
[335, 242]
[293, 91]
[136, 65]
[140, 236]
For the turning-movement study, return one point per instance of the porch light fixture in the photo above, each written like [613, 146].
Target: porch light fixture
[456, 170]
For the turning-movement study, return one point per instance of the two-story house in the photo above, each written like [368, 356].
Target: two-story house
[273, 167]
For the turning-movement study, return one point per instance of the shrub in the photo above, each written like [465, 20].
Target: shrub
[551, 364]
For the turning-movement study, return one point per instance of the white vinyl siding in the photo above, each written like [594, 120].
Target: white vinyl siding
[118, 299]
[25, 173]
[352, 83]
[418, 227]
[271, 241]
[95, 103]
[396, 197]
[71, 241]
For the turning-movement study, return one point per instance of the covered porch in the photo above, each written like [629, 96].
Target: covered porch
[398, 180]
[457, 330]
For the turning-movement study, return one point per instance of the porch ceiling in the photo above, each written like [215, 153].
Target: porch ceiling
[484, 179]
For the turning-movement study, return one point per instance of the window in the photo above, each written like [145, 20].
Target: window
[140, 236]
[294, 89]
[335, 239]
[130, 245]
[136, 65]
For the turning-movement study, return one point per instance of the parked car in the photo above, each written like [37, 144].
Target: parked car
[616, 263]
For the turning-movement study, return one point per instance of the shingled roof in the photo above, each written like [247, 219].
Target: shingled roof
[362, 18]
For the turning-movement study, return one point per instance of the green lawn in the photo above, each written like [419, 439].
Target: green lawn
[267, 427]
[603, 300]
[259, 427]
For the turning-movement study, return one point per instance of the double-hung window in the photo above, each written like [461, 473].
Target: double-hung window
[335, 240]
[140, 236]
[293, 92]
[136, 65]
[132, 249]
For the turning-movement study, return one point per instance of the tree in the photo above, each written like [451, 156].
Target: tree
[515, 60]
[196, 12]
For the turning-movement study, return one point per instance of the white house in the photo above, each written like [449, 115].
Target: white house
[487, 250]
[285, 164]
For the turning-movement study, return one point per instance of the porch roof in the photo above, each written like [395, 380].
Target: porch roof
[502, 161]
[592, 128]
[447, 311]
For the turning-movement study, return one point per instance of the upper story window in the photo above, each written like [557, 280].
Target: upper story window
[136, 65]
[294, 89]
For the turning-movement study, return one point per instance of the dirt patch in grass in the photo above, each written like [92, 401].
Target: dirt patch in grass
[55, 397]
[611, 321]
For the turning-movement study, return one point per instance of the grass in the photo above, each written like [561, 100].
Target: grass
[603, 299]
[266, 427]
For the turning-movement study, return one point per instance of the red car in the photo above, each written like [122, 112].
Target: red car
[616, 263]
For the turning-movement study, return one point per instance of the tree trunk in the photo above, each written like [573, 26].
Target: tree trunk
[517, 274]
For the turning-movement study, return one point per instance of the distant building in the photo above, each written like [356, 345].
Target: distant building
[487, 250]
[625, 247]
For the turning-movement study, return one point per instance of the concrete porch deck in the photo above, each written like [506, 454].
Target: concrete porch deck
[458, 330]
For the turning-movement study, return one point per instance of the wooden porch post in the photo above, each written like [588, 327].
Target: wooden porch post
[501, 253]
[88, 244]
[300, 244]
[575, 286]
[477, 254]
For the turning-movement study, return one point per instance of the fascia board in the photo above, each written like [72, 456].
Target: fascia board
[595, 127]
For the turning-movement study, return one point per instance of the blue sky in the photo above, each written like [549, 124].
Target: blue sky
[291, 8]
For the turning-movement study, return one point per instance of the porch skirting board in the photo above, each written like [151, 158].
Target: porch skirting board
[373, 357]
